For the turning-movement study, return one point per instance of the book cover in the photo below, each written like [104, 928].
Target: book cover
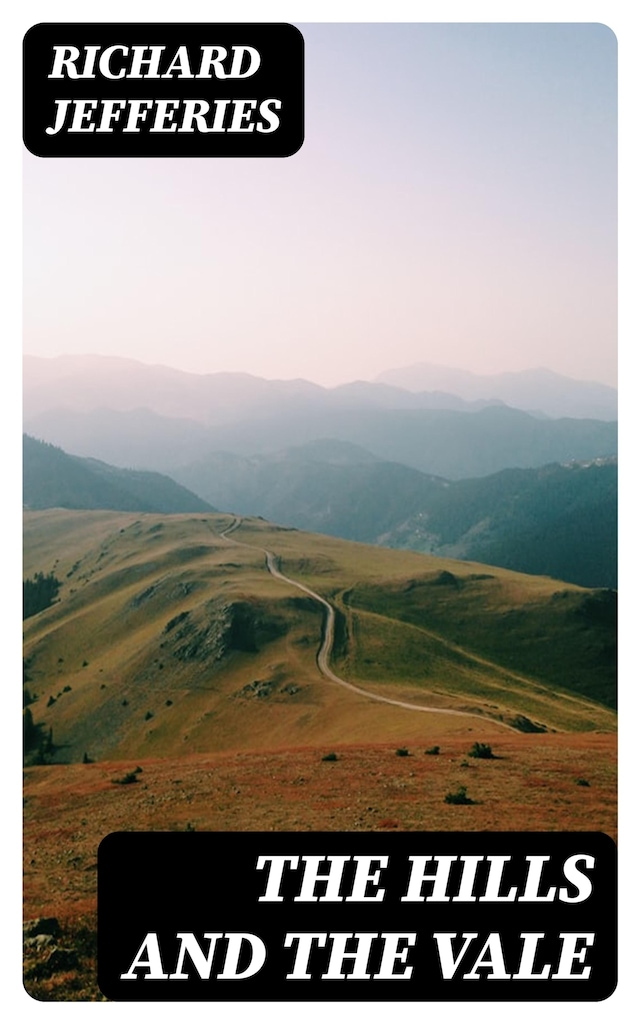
[320, 512]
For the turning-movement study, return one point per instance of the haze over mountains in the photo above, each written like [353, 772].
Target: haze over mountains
[53, 479]
[464, 475]
[555, 520]
[132, 415]
[538, 390]
[87, 382]
[82, 383]
[558, 521]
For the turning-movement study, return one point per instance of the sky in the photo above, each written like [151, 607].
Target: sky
[454, 202]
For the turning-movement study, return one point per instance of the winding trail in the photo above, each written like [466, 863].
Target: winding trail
[328, 632]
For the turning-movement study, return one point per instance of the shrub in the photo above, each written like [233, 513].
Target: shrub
[402, 752]
[525, 724]
[482, 750]
[459, 797]
[581, 782]
[127, 779]
[432, 750]
[330, 757]
[148, 715]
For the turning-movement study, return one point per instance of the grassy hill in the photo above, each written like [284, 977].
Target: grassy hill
[167, 638]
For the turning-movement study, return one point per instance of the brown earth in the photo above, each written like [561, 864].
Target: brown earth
[535, 782]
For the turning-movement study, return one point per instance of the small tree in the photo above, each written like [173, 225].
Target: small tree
[39, 593]
[29, 730]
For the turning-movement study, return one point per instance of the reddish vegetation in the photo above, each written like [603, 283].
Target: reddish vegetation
[532, 784]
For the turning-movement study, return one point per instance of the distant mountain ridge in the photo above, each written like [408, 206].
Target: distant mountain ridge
[53, 479]
[441, 442]
[82, 383]
[156, 418]
[539, 390]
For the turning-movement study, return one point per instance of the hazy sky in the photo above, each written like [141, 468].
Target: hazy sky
[454, 201]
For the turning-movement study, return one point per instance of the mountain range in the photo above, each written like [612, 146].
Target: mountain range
[464, 477]
[132, 415]
[82, 383]
[539, 390]
[85, 382]
[557, 521]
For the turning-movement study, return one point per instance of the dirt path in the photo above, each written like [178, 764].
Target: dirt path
[326, 646]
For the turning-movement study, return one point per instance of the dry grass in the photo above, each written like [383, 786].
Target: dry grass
[531, 785]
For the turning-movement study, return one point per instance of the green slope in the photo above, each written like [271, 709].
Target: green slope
[53, 479]
[167, 638]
